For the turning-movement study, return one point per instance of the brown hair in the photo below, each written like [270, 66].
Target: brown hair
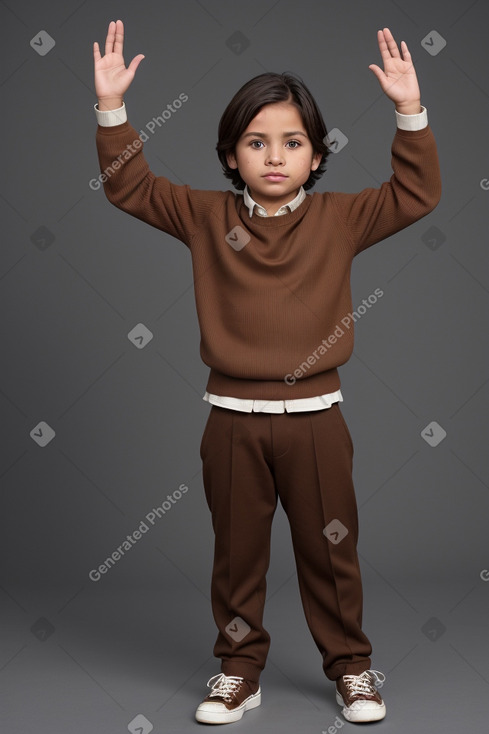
[266, 89]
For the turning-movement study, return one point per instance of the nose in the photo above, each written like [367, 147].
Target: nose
[275, 156]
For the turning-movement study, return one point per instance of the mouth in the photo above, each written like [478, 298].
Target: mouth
[275, 176]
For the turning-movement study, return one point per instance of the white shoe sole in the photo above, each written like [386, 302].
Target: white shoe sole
[363, 712]
[207, 716]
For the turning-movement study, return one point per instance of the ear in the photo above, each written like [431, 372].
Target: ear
[316, 160]
[231, 159]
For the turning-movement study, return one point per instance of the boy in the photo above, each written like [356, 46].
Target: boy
[272, 286]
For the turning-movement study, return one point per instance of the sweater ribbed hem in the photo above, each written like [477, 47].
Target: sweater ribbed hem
[306, 387]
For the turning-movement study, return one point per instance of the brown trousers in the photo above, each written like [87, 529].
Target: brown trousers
[250, 459]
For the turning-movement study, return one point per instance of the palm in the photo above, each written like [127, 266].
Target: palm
[111, 76]
[398, 79]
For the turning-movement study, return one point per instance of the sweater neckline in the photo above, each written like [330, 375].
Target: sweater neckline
[283, 220]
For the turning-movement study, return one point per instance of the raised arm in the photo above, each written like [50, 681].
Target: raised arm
[414, 189]
[112, 79]
[128, 182]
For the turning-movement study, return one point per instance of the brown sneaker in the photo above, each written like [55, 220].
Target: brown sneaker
[231, 696]
[359, 696]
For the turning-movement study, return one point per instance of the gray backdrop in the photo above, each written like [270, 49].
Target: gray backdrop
[97, 433]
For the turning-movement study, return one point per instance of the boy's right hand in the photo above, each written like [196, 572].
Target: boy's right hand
[112, 79]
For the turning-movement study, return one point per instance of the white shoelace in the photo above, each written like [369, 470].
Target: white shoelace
[365, 683]
[224, 686]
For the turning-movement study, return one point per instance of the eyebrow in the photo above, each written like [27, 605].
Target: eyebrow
[285, 135]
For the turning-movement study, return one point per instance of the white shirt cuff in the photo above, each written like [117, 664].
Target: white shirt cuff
[412, 122]
[110, 118]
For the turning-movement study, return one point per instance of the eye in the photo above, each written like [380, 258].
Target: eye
[258, 142]
[294, 143]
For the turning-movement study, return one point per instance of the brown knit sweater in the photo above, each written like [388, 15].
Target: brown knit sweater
[271, 292]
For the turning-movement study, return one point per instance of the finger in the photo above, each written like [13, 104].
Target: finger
[384, 51]
[135, 63]
[109, 41]
[96, 52]
[377, 71]
[391, 44]
[119, 37]
[405, 51]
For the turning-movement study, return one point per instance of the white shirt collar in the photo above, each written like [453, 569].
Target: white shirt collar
[251, 203]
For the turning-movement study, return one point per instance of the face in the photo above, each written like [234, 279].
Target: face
[274, 155]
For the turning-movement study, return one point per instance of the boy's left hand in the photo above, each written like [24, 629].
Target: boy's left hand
[398, 80]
